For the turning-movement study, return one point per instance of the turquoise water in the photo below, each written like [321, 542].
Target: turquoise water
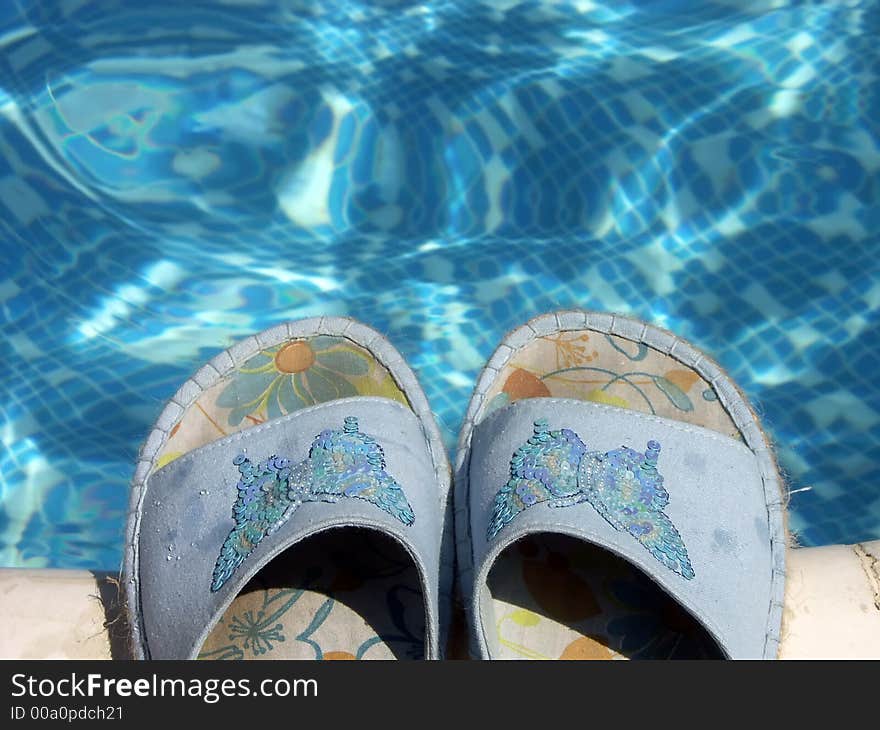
[174, 176]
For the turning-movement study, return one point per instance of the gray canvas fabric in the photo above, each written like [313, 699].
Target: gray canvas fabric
[189, 515]
[716, 502]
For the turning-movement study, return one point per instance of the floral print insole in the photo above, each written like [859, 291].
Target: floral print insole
[278, 381]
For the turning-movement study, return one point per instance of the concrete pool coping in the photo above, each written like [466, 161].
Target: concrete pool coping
[832, 609]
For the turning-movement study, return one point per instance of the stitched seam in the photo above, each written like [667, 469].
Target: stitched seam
[674, 425]
[276, 423]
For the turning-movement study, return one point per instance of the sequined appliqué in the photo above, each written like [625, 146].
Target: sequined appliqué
[340, 464]
[624, 486]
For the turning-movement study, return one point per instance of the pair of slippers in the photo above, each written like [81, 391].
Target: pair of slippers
[615, 496]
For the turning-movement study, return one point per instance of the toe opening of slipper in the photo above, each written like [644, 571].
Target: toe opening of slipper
[552, 596]
[344, 593]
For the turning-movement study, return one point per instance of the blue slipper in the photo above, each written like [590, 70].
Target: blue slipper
[314, 430]
[601, 510]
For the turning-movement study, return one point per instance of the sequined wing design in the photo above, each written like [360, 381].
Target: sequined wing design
[542, 469]
[625, 487]
[349, 463]
[268, 494]
[340, 464]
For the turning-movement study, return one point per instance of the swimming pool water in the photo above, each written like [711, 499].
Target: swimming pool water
[174, 176]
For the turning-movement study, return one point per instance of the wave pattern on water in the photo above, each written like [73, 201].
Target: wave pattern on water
[177, 175]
